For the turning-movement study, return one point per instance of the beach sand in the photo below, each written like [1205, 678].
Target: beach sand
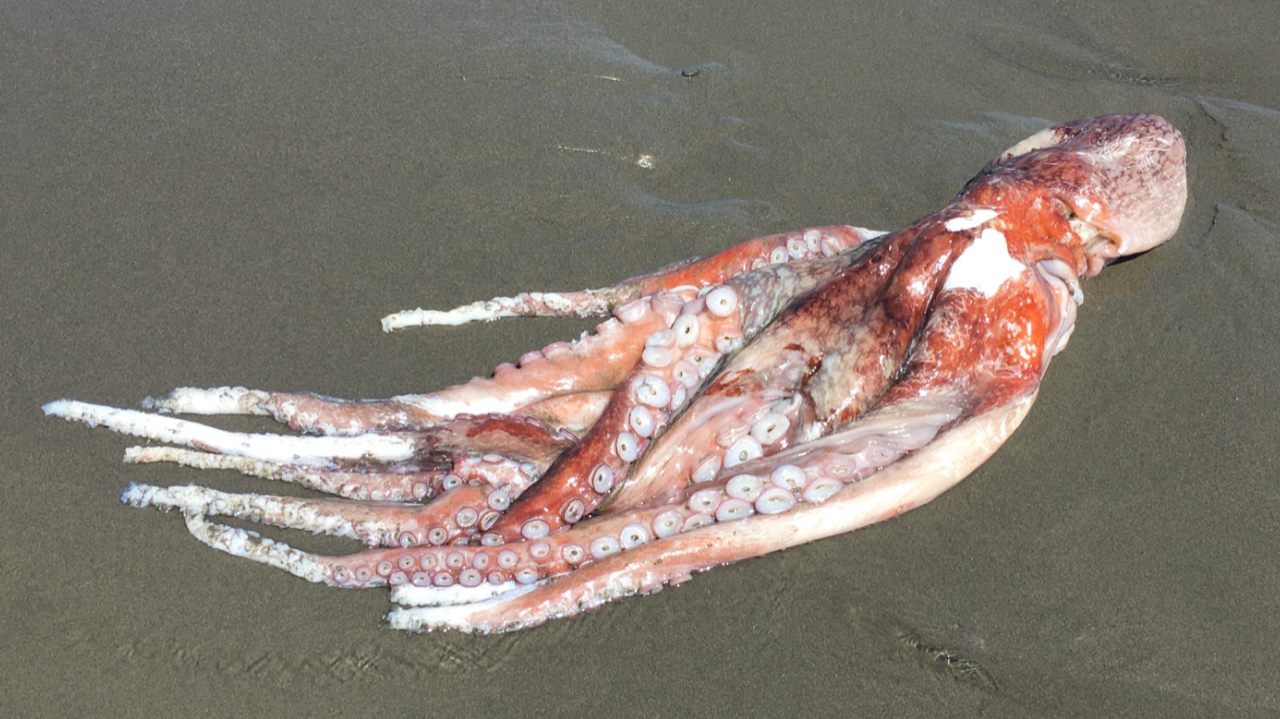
[210, 194]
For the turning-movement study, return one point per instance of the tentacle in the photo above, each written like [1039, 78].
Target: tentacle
[302, 411]
[268, 447]
[714, 435]
[602, 361]
[744, 257]
[809, 474]
[777, 390]
[394, 483]
[250, 545]
[458, 512]
[520, 438]
[419, 562]
[556, 383]
[910, 482]
[595, 362]
[598, 361]
[675, 362]
[777, 486]
[410, 483]
[307, 412]
[976, 346]
[521, 562]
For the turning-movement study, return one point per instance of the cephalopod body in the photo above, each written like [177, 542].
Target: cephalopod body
[790, 388]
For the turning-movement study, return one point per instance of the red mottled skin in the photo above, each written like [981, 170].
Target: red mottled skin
[790, 388]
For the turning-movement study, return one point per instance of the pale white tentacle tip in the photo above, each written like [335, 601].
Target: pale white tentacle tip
[482, 311]
[92, 415]
[409, 595]
[251, 545]
[142, 495]
[232, 540]
[57, 408]
[263, 447]
[463, 617]
[188, 499]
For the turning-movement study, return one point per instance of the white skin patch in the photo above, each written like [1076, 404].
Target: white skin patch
[984, 265]
[968, 222]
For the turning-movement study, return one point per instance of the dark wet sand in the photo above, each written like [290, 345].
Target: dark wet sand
[234, 193]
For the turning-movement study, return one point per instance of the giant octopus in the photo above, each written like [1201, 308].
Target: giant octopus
[790, 388]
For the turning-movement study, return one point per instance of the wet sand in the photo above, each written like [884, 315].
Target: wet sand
[235, 193]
